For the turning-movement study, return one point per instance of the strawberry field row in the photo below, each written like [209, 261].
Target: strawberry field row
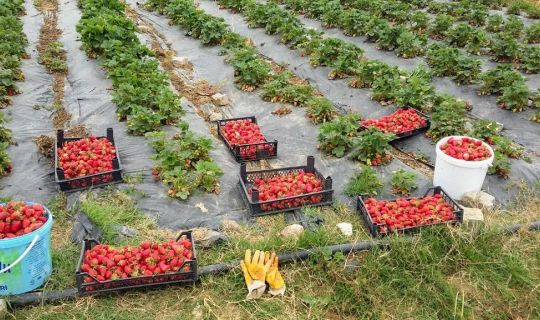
[450, 118]
[404, 32]
[389, 84]
[12, 49]
[144, 98]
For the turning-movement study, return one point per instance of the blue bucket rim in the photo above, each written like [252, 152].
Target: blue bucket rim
[27, 238]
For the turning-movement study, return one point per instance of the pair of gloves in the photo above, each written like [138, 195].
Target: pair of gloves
[259, 270]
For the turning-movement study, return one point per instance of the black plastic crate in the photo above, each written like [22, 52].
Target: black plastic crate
[374, 228]
[261, 208]
[411, 133]
[93, 180]
[97, 287]
[250, 151]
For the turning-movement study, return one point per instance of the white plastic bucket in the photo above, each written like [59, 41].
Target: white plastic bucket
[456, 176]
[25, 261]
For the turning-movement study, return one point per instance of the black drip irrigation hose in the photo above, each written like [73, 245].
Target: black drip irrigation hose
[32, 298]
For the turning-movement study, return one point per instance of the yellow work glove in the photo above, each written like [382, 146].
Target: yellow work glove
[273, 277]
[254, 273]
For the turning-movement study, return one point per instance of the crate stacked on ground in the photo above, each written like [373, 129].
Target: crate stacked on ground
[284, 189]
[102, 268]
[404, 123]
[245, 140]
[405, 215]
[82, 163]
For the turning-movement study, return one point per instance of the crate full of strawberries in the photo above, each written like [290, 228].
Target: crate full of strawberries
[285, 189]
[404, 215]
[405, 122]
[82, 163]
[103, 268]
[245, 140]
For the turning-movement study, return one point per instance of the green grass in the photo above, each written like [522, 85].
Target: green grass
[442, 273]
[54, 57]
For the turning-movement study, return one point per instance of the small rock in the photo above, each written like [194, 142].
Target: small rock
[220, 99]
[215, 116]
[201, 206]
[473, 215]
[345, 228]
[3, 309]
[125, 231]
[479, 199]
[145, 29]
[207, 238]
[230, 226]
[181, 62]
[294, 230]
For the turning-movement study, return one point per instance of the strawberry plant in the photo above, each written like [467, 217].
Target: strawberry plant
[369, 70]
[477, 40]
[18, 218]
[337, 54]
[532, 34]
[372, 147]
[250, 70]
[403, 182]
[504, 47]
[142, 120]
[331, 15]
[416, 91]
[364, 182]
[507, 147]
[410, 45]
[446, 61]
[535, 117]
[441, 25]
[281, 89]
[459, 35]
[419, 22]
[495, 23]
[386, 88]
[353, 22]
[467, 70]
[496, 79]
[387, 36]
[374, 27]
[515, 97]
[335, 137]
[320, 110]
[514, 26]
[486, 130]
[501, 165]
[530, 59]
[448, 118]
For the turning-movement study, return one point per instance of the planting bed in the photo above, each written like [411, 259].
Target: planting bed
[245, 140]
[103, 269]
[405, 215]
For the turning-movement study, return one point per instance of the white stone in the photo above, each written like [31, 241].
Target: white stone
[294, 230]
[220, 99]
[215, 116]
[479, 199]
[472, 215]
[181, 62]
[230, 225]
[345, 228]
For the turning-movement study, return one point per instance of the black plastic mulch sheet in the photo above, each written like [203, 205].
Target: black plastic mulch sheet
[517, 125]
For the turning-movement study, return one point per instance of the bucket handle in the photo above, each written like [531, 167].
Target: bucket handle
[14, 263]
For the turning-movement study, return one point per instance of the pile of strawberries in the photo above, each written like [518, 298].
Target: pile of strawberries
[285, 186]
[85, 157]
[406, 213]
[466, 148]
[245, 131]
[103, 263]
[399, 122]
[18, 218]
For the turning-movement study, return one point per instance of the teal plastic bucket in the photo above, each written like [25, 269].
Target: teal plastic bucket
[25, 261]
